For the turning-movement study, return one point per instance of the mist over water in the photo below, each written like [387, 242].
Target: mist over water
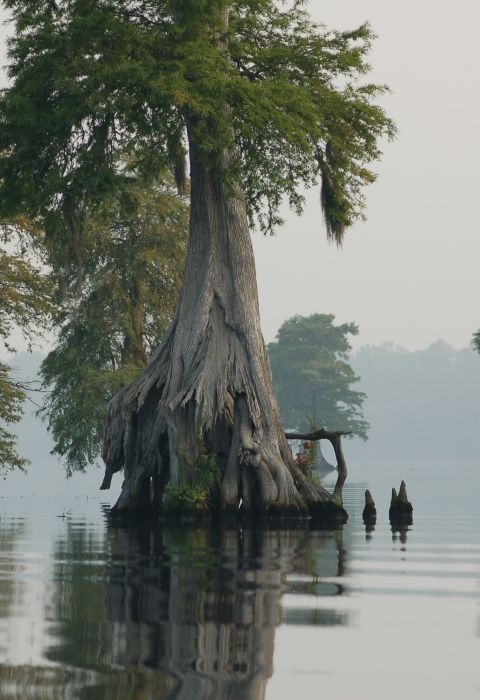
[91, 609]
[94, 609]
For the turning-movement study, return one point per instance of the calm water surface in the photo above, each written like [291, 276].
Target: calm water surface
[92, 610]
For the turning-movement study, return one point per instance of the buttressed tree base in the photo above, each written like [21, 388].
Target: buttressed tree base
[206, 397]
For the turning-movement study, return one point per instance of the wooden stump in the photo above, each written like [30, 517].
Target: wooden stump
[401, 510]
[369, 512]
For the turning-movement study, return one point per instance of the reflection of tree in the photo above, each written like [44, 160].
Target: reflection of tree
[204, 604]
[151, 613]
[204, 610]
[400, 532]
[78, 604]
[11, 587]
[83, 635]
[322, 560]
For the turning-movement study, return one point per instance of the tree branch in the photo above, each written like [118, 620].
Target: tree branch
[321, 434]
[336, 440]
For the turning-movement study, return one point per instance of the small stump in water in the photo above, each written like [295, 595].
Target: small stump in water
[401, 510]
[369, 512]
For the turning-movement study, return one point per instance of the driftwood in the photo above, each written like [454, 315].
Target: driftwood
[335, 438]
[401, 509]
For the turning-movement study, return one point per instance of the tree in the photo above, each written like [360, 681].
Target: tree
[476, 341]
[24, 305]
[312, 376]
[129, 291]
[266, 103]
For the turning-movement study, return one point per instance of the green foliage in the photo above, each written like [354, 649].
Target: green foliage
[11, 403]
[206, 472]
[312, 376]
[25, 306]
[25, 288]
[136, 247]
[92, 81]
[185, 498]
[307, 458]
[195, 496]
[476, 341]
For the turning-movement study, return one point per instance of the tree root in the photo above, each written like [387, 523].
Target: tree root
[163, 448]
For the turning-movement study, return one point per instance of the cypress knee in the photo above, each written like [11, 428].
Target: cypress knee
[401, 509]
[369, 512]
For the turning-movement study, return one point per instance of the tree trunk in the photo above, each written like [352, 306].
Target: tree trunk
[201, 429]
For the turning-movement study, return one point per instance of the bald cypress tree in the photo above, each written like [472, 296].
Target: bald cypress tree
[265, 104]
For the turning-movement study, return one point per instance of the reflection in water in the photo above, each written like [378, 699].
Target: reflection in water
[400, 533]
[187, 613]
[202, 605]
[97, 612]
[11, 588]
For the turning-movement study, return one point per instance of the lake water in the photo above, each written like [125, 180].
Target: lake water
[92, 610]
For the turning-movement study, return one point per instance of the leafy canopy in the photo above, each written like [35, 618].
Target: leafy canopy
[24, 305]
[135, 248]
[91, 80]
[12, 398]
[312, 376]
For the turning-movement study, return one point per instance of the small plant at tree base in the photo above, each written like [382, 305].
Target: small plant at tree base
[185, 498]
[195, 496]
[307, 458]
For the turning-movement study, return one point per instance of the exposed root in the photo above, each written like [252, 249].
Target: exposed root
[159, 448]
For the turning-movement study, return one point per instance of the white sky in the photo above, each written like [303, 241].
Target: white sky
[409, 274]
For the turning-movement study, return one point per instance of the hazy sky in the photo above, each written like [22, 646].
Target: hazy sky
[409, 274]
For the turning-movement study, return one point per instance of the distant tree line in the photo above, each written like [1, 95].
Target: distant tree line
[421, 405]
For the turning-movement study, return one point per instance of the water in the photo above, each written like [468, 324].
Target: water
[91, 610]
